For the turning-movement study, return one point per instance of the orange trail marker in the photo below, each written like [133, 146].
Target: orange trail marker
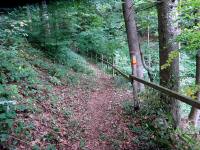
[134, 60]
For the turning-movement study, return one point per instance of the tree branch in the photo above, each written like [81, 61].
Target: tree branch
[146, 67]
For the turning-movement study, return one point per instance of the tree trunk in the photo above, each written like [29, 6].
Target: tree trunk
[29, 17]
[56, 27]
[148, 32]
[168, 30]
[45, 18]
[195, 113]
[133, 41]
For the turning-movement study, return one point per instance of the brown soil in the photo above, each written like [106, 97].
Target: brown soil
[103, 111]
[87, 116]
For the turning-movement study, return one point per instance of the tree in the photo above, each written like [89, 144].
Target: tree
[29, 17]
[133, 41]
[168, 30]
[45, 19]
[190, 36]
[195, 113]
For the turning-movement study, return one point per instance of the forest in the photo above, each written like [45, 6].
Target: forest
[100, 75]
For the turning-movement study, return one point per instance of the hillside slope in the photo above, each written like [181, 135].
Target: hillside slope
[87, 115]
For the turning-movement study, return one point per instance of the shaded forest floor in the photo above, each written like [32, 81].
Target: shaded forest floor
[93, 112]
[85, 116]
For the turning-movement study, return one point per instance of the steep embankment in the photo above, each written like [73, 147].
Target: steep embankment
[84, 116]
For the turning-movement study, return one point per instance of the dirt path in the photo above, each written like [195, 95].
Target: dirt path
[103, 125]
[98, 112]
[86, 116]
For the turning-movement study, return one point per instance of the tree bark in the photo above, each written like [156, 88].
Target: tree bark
[133, 40]
[168, 30]
[195, 113]
[45, 18]
[29, 16]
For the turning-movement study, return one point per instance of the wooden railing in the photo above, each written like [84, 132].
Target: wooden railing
[176, 95]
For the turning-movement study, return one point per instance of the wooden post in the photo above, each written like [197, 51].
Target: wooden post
[102, 60]
[96, 58]
[107, 63]
[113, 64]
[195, 113]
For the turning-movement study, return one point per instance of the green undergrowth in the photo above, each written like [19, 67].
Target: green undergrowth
[153, 126]
[29, 70]
[28, 74]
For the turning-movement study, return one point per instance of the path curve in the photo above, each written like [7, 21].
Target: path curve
[104, 112]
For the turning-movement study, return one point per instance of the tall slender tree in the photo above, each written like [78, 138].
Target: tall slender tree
[134, 47]
[133, 40]
[168, 30]
[29, 17]
[45, 19]
[195, 113]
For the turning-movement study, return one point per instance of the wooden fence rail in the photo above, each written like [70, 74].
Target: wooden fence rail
[169, 92]
[162, 89]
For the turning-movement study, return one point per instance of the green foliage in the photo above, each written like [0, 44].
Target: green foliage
[25, 57]
[128, 107]
[189, 20]
[154, 126]
[9, 91]
[190, 39]
[13, 66]
[31, 48]
[187, 68]
[121, 82]
[174, 54]
[191, 90]
[72, 60]
[82, 144]
[13, 69]
[55, 81]
[151, 128]
[189, 13]
[51, 147]
[151, 57]
[88, 26]
[6, 121]
[67, 112]
[147, 22]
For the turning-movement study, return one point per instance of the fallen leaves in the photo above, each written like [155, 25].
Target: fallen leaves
[95, 110]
